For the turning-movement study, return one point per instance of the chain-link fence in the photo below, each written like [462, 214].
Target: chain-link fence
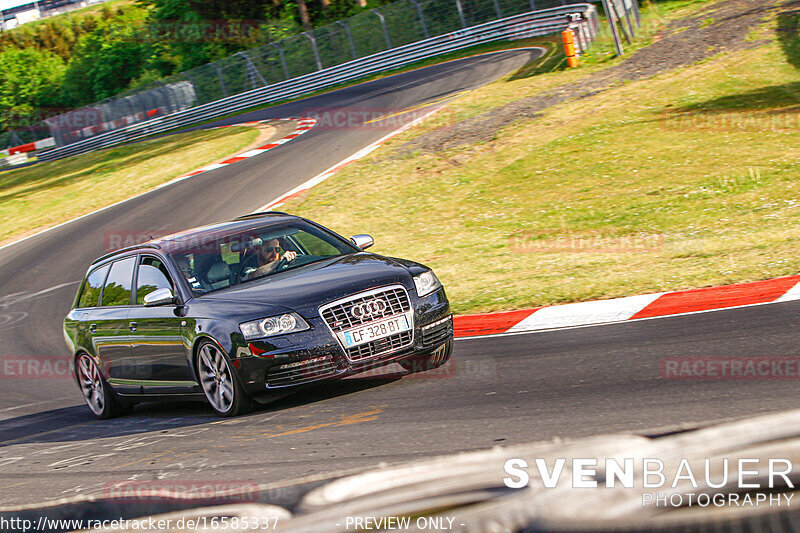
[370, 32]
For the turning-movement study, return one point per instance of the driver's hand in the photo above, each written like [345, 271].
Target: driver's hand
[289, 256]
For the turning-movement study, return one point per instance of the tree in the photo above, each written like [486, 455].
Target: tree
[29, 79]
[304, 18]
[105, 62]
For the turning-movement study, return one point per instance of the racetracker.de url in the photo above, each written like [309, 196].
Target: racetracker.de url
[203, 523]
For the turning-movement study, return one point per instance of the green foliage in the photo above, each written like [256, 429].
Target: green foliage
[106, 59]
[128, 44]
[29, 79]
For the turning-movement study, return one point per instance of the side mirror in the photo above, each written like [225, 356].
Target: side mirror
[159, 297]
[362, 241]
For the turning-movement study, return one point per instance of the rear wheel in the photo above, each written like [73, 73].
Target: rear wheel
[96, 390]
[220, 384]
[435, 359]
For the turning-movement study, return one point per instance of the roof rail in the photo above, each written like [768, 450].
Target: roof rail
[261, 213]
[127, 249]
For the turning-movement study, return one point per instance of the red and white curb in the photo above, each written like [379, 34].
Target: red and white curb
[303, 125]
[29, 147]
[629, 308]
[319, 178]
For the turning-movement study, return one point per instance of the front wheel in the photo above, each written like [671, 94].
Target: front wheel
[96, 390]
[220, 384]
[435, 359]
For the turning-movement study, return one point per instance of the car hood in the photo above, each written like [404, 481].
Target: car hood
[306, 288]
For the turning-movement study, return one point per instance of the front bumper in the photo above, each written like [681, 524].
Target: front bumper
[316, 355]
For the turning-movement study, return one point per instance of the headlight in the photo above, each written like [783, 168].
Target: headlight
[426, 283]
[274, 325]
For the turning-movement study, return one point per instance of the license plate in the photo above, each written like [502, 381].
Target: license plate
[374, 330]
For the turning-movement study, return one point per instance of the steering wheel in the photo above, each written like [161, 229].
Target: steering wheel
[238, 274]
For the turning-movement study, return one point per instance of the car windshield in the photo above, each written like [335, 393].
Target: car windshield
[212, 263]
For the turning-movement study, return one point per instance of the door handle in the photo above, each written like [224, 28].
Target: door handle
[132, 326]
[92, 328]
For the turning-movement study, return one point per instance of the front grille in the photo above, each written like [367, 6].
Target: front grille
[301, 372]
[437, 332]
[338, 316]
[379, 347]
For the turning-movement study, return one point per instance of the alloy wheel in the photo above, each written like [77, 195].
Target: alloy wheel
[91, 384]
[216, 378]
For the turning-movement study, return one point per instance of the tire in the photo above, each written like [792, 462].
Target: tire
[219, 382]
[99, 396]
[435, 359]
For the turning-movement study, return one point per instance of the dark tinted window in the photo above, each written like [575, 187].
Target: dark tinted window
[117, 290]
[92, 286]
[210, 264]
[152, 276]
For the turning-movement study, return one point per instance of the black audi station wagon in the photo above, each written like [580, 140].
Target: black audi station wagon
[239, 310]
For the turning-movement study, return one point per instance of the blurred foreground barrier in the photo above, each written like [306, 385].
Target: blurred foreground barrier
[736, 476]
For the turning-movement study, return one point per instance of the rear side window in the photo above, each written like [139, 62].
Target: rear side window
[117, 290]
[152, 276]
[91, 287]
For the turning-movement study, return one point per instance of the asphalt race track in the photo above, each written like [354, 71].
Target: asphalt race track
[501, 390]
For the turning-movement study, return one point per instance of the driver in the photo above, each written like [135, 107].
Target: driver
[269, 258]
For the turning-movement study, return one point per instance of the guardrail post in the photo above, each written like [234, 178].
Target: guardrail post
[346, 27]
[614, 4]
[461, 14]
[385, 30]
[533, 5]
[497, 9]
[252, 72]
[421, 18]
[283, 60]
[221, 79]
[314, 47]
[628, 17]
[637, 13]
[610, 15]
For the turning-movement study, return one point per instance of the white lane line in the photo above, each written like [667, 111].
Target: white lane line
[319, 178]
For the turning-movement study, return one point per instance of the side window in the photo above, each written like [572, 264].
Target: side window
[91, 287]
[153, 275]
[117, 290]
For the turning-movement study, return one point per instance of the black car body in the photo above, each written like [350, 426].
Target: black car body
[196, 314]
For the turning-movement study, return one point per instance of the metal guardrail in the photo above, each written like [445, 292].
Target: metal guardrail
[544, 22]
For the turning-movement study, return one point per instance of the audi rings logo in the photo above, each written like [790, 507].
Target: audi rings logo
[368, 309]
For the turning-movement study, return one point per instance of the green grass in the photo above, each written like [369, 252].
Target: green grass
[42, 195]
[699, 164]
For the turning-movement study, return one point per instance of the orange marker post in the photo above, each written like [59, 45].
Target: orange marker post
[568, 36]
